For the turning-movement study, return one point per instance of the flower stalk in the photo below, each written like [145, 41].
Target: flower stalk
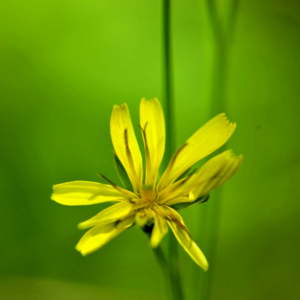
[222, 38]
[173, 267]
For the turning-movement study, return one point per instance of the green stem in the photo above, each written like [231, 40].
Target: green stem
[173, 269]
[168, 83]
[161, 259]
[171, 275]
[211, 220]
[213, 225]
[218, 87]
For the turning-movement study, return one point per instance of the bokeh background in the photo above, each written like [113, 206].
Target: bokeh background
[64, 64]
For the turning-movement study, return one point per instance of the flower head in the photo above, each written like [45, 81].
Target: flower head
[153, 201]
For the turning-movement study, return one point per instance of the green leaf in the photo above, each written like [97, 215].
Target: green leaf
[122, 173]
[183, 205]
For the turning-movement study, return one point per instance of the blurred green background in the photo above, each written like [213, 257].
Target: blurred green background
[64, 64]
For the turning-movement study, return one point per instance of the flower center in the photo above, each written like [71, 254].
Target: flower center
[148, 194]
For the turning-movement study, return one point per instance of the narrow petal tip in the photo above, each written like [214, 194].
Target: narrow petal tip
[80, 250]
[81, 226]
[205, 267]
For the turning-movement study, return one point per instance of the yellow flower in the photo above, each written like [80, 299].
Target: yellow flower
[153, 201]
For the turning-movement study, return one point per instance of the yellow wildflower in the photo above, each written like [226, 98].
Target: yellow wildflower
[152, 202]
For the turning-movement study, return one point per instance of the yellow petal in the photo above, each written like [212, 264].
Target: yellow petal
[177, 189]
[206, 140]
[160, 228]
[99, 235]
[111, 214]
[152, 122]
[178, 200]
[215, 172]
[86, 193]
[185, 240]
[121, 126]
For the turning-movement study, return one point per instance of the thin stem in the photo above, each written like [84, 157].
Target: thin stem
[174, 271]
[164, 266]
[212, 224]
[168, 83]
[171, 275]
[218, 88]
[161, 259]
[232, 18]
[211, 220]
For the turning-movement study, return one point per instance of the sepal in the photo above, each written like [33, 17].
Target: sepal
[183, 205]
[122, 173]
